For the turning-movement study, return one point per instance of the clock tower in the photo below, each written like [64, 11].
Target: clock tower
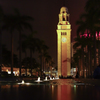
[64, 43]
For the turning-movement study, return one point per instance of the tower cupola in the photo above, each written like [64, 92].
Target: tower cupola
[63, 16]
[63, 10]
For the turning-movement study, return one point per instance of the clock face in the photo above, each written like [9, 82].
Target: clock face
[64, 39]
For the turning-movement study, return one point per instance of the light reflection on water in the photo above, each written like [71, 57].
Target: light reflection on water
[55, 90]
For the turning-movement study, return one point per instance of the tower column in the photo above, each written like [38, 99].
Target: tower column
[64, 43]
[68, 52]
[59, 52]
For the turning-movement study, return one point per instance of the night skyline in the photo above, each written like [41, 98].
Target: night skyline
[46, 18]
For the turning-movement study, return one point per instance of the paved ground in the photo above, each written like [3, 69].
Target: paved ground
[89, 81]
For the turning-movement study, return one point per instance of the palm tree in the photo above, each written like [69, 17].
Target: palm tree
[89, 22]
[92, 4]
[1, 25]
[90, 55]
[93, 11]
[31, 43]
[98, 47]
[9, 27]
[26, 62]
[24, 48]
[80, 43]
[49, 61]
[6, 54]
[42, 49]
[76, 60]
[22, 22]
[84, 30]
[17, 22]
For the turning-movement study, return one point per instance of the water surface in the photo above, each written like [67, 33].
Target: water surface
[62, 89]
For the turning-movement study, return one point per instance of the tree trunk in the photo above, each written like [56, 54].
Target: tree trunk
[99, 49]
[88, 56]
[42, 64]
[88, 61]
[11, 54]
[25, 64]
[81, 67]
[78, 68]
[83, 61]
[20, 49]
[0, 51]
[31, 60]
[91, 69]
[95, 51]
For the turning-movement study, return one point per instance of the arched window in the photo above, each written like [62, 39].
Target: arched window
[63, 18]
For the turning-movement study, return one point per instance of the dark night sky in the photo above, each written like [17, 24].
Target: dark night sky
[45, 14]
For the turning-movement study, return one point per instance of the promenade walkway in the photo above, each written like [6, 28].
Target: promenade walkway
[88, 81]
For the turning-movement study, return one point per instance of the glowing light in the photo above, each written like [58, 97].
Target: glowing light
[50, 78]
[49, 71]
[27, 83]
[74, 86]
[74, 69]
[23, 82]
[56, 77]
[9, 72]
[38, 80]
[96, 34]
[45, 78]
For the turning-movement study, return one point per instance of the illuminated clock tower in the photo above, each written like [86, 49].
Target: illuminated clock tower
[64, 43]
